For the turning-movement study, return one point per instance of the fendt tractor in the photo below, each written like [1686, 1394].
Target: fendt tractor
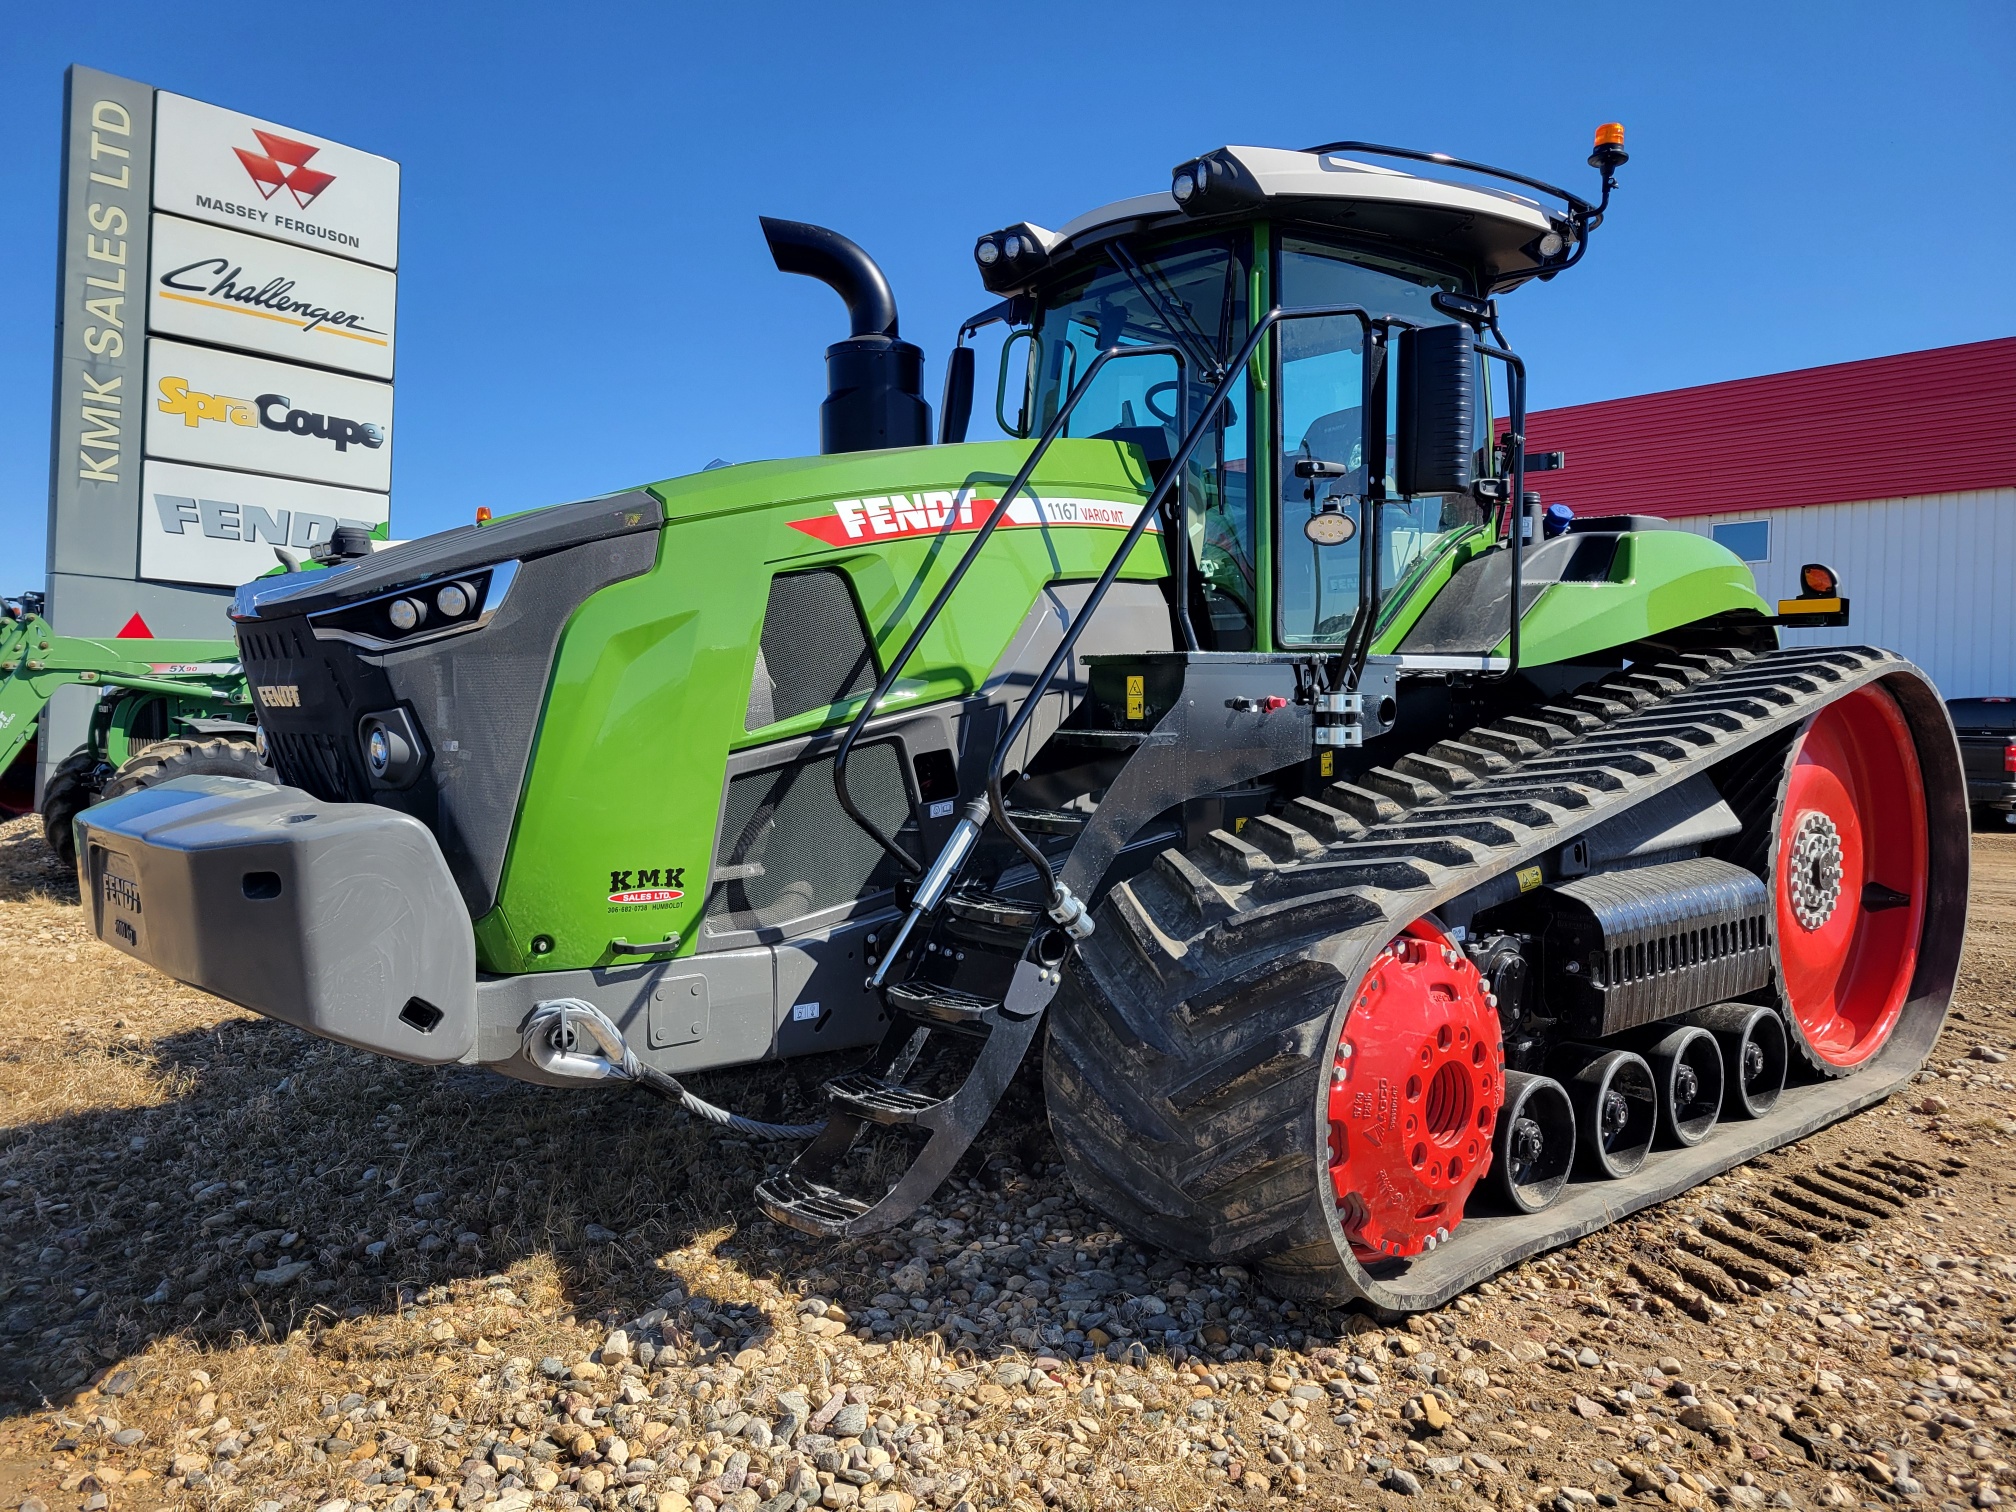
[1401, 876]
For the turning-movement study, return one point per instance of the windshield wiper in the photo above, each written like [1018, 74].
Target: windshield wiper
[1175, 316]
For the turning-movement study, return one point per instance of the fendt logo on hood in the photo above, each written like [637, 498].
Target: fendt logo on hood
[888, 517]
[284, 165]
[272, 411]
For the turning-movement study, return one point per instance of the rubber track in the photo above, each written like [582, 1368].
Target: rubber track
[1190, 1045]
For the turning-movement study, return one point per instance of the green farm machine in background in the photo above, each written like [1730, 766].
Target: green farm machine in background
[1397, 879]
[168, 708]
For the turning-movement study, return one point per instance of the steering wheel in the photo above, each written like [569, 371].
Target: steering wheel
[1166, 417]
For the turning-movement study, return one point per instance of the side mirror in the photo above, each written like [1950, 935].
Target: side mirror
[1020, 427]
[1435, 419]
[957, 410]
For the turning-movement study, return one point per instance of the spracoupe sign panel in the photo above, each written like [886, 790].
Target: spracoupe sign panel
[221, 409]
[257, 295]
[206, 525]
[236, 170]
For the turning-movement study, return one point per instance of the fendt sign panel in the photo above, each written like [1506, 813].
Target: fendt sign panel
[220, 409]
[253, 294]
[236, 170]
[206, 525]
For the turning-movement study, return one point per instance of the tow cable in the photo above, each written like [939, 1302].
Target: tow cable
[573, 1038]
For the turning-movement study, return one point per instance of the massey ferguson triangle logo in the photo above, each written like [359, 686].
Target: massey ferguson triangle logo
[284, 165]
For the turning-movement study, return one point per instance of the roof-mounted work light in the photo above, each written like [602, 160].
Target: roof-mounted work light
[1009, 258]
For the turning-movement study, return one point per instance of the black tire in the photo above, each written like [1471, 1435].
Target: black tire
[1189, 1054]
[72, 788]
[218, 756]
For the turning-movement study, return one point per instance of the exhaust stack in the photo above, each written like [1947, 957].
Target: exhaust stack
[874, 379]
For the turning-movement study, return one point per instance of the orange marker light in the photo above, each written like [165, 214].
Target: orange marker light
[1818, 580]
[1610, 134]
[482, 514]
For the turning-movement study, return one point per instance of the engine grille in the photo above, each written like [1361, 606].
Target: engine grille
[788, 850]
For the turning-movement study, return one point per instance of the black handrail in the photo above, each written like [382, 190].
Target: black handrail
[997, 803]
[1515, 447]
[1021, 480]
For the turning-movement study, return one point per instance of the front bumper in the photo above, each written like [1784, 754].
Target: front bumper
[339, 918]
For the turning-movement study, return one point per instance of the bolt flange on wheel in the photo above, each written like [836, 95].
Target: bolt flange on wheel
[1850, 876]
[1616, 1107]
[1533, 1150]
[1755, 1055]
[1415, 1087]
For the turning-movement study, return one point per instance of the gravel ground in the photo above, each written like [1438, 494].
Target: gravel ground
[241, 1268]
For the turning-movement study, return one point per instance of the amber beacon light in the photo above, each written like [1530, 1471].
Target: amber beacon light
[1609, 154]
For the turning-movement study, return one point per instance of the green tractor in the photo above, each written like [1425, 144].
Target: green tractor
[167, 709]
[1398, 880]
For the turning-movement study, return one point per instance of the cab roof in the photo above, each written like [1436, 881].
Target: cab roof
[1502, 234]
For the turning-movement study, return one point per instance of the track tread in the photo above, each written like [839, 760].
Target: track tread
[1210, 1117]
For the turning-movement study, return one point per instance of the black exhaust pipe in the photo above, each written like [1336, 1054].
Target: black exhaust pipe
[874, 379]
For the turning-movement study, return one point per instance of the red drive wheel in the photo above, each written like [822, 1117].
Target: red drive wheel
[1415, 1089]
[1849, 873]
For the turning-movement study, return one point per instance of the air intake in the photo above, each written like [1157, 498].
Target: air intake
[874, 380]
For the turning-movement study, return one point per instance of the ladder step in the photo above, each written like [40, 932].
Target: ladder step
[1048, 821]
[807, 1206]
[868, 1096]
[941, 1005]
[983, 918]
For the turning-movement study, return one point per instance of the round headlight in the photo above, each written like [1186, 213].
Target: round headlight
[259, 745]
[1551, 243]
[452, 600]
[1013, 246]
[987, 253]
[1329, 528]
[378, 751]
[405, 613]
[1184, 187]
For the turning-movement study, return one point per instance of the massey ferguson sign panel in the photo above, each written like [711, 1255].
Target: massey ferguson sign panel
[216, 165]
[257, 295]
[218, 409]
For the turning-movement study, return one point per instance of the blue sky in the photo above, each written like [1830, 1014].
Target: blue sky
[585, 298]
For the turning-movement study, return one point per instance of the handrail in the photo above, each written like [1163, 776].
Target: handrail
[1021, 481]
[1234, 371]
[1515, 446]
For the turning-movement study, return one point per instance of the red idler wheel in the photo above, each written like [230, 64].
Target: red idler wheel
[1415, 1089]
[1850, 878]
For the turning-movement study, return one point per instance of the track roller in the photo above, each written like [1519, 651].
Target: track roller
[1616, 1107]
[1755, 1055]
[1533, 1149]
[1687, 1068]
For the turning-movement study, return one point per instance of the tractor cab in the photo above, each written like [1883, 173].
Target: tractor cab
[1295, 515]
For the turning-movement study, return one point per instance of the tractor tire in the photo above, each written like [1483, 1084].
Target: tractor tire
[72, 788]
[165, 760]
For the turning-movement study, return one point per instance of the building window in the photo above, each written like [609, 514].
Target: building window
[1750, 540]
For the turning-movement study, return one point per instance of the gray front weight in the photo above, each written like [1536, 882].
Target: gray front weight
[339, 918]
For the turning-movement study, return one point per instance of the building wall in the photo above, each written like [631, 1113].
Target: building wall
[1932, 578]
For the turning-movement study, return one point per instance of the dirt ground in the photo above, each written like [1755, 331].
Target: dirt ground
[244, 1268]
